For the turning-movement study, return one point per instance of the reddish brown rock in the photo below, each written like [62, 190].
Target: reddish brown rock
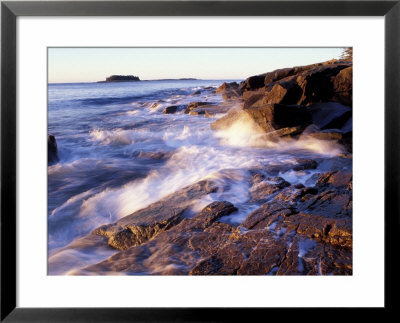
[317, 83]
[262, 190]
[197, 112]
[194, 105]
[335, 178]
[276, 239]
[146, 223]
[252, 83]
[285, 91]
[303, 85]
[343, 86]
[326, 135]
[268, 118]
[229, 91]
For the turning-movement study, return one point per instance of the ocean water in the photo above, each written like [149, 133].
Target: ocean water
[119, 153]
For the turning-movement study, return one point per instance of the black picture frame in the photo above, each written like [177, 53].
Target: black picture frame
[10, 10]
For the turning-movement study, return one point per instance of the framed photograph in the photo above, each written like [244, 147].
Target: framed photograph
[197, 160]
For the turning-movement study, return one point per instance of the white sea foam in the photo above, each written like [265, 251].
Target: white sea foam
[69, 261]
[188, 165]
[132, 112]
[244, 132]
[113, 137]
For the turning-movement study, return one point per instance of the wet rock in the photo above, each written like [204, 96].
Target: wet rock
[334, 198]
[303, 164]
[337, 232]
[335, 178]
[52, 150]
[329, 115]
[171, 109]
[194, 105]
[275, 239]
[123, 235]
[275, 135]
[154, 155]
[268, 118]
[280, 116]
[299, 165]
[207, 114]
[267, 254]
[228, 120]
[339, 122]
[177, 250]
[295, 98]
[146, 223]
[210, 109]
[266, 214]
[332, 204]
[264, 188]
[257, 177]
[347, 128]
[197, 112]
[326, 135]
[328, 203]
[209, 266]
[212, 213]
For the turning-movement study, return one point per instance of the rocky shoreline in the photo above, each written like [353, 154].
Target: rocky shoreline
[297, 229]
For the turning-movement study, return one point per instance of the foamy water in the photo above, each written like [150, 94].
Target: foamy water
[119, 153]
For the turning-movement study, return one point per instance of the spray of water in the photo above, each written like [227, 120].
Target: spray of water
[245, 132]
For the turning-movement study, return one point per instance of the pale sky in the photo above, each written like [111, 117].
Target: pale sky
[95, 64]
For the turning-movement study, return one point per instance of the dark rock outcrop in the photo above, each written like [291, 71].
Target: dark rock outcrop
[171, 109]
[286, 91]
[159, 155]
[52, 150]
[269, 117]
[343, 86]
[329, 115]
[208, 109]
[252, 83]
[303, 85]
[286, 101]
[229, 91]
[194, 105]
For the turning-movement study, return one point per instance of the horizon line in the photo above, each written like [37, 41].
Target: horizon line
[165, 79]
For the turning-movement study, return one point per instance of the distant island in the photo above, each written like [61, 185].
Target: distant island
[131, 78]
[121, 78]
